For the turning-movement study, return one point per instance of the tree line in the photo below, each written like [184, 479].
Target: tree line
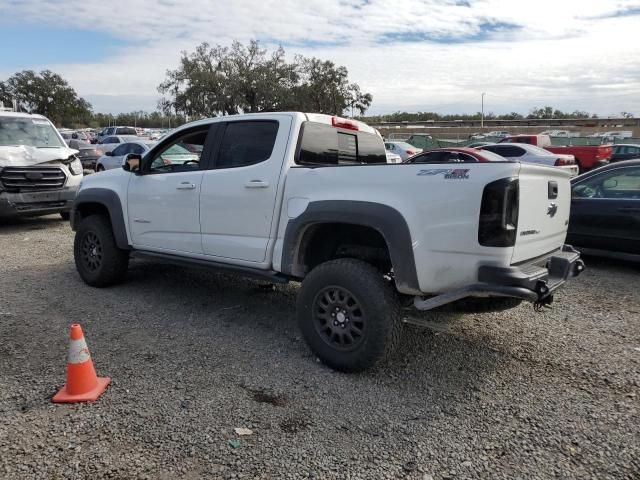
[546, 112]
[209, 82]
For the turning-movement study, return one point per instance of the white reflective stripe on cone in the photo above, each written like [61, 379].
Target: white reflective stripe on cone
[78, 351]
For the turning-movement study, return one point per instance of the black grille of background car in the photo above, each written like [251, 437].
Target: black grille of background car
[32, 179]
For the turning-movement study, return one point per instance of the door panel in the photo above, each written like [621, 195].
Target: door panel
[237, 202]
[164, 211]
[605, 211]
[605, 224]
[164, 202]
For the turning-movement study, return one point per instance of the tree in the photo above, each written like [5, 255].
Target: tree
[213, 81]
[626, 114]
[46, 93]
[5, 95]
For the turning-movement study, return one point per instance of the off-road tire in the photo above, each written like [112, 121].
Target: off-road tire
[377, 302]
[99, 261]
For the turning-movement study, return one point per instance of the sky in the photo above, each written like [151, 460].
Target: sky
[411, 55]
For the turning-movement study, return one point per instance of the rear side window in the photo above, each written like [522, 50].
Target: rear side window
[505, 151]
[326, 145]
[135, 148]
[247, 143]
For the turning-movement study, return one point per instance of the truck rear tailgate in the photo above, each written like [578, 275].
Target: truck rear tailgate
[543, 217]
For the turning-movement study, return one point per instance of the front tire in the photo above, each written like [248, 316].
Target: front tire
[65, 216]
[349, 315]
[99, 168]
[98, 259]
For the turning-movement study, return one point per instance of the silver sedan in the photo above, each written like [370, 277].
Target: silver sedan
[115, 158]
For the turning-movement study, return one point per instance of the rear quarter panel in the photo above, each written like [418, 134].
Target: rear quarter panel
[442, 213]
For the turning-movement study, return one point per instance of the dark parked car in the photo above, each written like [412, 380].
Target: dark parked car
[605, 211]
[625, 151]
[87, 153]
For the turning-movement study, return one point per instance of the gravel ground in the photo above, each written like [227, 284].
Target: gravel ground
[193, 355]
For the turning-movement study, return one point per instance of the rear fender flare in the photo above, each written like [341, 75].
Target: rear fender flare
[385, 219]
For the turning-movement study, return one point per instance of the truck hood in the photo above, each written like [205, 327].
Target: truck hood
[24, 156]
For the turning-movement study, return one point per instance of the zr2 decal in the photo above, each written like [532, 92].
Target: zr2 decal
[448, 173]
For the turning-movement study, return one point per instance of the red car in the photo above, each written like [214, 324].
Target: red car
[456, 155]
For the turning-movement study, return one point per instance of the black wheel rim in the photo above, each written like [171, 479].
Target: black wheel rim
[91, 251]
[338, 318]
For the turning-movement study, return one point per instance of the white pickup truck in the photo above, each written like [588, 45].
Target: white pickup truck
[310, 197]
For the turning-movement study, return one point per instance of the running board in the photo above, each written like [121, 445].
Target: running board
[267, 275]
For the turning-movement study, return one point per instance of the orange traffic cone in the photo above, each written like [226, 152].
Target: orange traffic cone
[82, 383]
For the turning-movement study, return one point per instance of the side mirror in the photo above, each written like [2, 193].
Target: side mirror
[610, 183]
[109, 154]
[132, 162]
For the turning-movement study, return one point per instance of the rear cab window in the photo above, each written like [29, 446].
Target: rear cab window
[126, 131]
[326, 145]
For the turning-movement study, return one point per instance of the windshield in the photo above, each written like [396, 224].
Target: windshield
[31, 132]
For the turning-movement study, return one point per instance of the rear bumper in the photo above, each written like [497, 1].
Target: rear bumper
[534, 281]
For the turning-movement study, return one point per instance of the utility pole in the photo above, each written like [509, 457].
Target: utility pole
[482, 112]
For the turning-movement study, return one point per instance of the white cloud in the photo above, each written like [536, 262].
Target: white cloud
[569, 54]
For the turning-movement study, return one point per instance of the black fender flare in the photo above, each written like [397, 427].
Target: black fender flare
[388, 221]
[109, 200]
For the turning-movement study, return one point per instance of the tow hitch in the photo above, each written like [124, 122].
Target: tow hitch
[543, 303]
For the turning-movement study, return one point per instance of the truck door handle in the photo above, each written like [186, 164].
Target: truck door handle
[186, 186]
[256, 184]
[629, 209]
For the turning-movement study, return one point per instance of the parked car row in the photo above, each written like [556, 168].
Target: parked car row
[39, 174]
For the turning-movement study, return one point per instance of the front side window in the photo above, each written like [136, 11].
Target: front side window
[621, 183]
[247, 143]
[181, 154]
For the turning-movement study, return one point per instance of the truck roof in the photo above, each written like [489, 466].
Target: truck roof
[312, 117]
[22, 115]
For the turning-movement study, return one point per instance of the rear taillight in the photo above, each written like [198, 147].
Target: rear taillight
[499, 213]
[564, 161]
[410, 152]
